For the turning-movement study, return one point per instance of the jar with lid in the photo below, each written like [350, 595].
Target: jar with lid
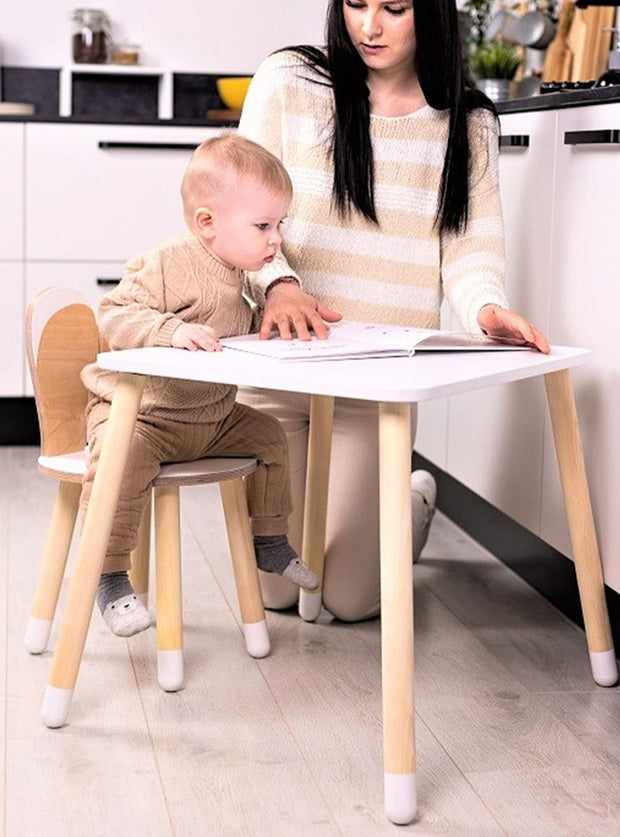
[91, 31]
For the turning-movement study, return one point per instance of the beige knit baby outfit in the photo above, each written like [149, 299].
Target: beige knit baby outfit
[181, 282]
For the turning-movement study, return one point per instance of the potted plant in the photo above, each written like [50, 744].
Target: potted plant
[494, 64]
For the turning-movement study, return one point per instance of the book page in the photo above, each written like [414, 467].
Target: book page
[349, 339]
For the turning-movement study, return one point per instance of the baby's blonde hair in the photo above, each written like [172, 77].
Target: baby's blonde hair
[217, 159]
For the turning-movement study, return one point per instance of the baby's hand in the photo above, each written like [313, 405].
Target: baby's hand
[193, 336]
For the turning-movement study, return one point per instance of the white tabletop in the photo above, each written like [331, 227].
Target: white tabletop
[406, 380]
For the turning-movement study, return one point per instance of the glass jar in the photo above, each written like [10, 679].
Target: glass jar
[90, 37]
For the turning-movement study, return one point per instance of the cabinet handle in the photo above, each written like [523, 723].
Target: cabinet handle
[609, 136]
[149, 146]
[514, 141]
[105, 280]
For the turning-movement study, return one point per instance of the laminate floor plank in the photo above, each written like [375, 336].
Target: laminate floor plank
[573, 801]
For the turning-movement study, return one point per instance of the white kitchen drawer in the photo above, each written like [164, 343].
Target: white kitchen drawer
[104, 192]
[12, 331]
[12, 189]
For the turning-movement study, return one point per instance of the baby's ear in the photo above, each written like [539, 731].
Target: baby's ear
[204, 219]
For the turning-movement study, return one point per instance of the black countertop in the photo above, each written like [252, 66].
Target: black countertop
[564, 99]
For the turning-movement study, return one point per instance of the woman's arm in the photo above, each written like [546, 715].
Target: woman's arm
[288, 309]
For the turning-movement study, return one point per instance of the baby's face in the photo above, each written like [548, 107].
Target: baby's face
[247, 224]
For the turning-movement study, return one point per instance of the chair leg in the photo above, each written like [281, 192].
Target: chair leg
[244, 567]
[140, 557]
[53, 566]
[168, 603]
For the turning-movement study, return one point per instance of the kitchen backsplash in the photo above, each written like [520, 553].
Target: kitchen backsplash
[111, 98]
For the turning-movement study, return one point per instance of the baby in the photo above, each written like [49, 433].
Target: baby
[187, 293]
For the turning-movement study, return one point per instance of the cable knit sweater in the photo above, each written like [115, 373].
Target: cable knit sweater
[177, 282]
[398, 271]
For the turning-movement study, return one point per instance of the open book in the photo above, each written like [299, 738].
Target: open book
[349, 340]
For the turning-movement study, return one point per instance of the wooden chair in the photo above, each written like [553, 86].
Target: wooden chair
[61, 338]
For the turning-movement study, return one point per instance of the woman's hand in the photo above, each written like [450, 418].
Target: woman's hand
[292, 312]
[194, 337]
[506, 324]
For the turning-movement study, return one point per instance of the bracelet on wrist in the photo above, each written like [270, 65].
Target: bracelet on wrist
[283, 280]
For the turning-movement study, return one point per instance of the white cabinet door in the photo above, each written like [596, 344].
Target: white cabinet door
[584, 312]
[495, 436]
[97, 192]
[12, 331]
[12, 190]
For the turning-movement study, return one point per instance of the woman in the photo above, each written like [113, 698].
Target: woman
[393, 155]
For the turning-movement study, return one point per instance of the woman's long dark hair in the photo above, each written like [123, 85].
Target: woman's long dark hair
[446, 85]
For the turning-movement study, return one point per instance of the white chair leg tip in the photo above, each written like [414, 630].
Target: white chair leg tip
[604, 667]
[37, 635]
[55, 706]
[257, 640]
[401, 797]
[170, 670]
[310, 605]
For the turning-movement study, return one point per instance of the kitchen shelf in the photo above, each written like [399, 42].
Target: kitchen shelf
[164, 104]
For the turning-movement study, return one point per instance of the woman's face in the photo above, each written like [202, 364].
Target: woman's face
[382, 31]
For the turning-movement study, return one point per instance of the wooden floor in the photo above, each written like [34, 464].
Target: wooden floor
[513, 736]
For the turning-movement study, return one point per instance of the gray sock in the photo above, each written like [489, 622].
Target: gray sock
[273, 553]
[113, 586]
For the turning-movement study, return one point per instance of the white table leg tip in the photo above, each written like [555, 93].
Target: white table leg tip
[257, 640]
[604, 667]
[310, 605]
[55, 706]
[170, 670]
[37, 635]
[401, 797]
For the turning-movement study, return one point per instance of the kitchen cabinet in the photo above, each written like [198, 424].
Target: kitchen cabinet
[585, 300]
[12, 204]
[559, 185]
[11, 257]
[12, 331]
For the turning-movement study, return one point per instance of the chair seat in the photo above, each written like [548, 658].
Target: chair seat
[72, 467]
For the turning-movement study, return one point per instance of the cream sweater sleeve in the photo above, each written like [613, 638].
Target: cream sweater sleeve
[261, 121]
[473, 262]
[133, 315]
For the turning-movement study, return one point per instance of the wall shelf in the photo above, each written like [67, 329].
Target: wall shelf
[164, 104]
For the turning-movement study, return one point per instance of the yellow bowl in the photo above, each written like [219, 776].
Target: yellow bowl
[232, 90]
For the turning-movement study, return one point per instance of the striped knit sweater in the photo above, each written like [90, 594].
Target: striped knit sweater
[396, 272]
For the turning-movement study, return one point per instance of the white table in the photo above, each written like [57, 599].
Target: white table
[395, 384]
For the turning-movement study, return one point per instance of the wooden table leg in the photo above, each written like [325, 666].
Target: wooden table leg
[397, 612]
[91, 551]
[581, 526]
[315, 508]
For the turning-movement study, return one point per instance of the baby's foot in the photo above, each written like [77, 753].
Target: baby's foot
[299, 574]
[274, 554]
[123, 612]
[127, 616]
